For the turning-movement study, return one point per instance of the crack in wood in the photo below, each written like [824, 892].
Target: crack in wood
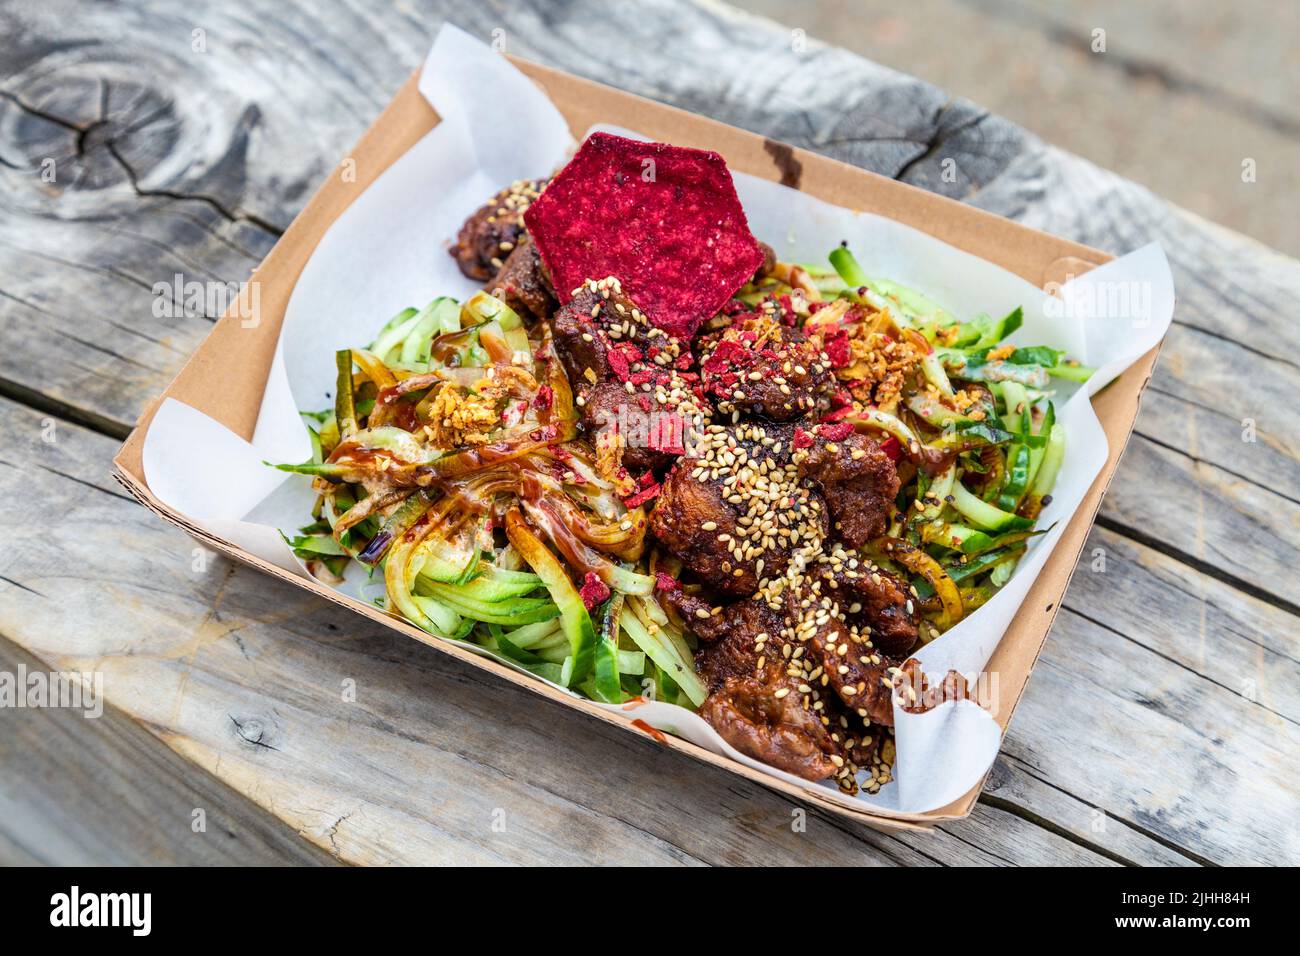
[21, 586]
[1197, 564]
[65, 411]
[1037, 774]
[216, 205]
[109, 144]
[1177, 663]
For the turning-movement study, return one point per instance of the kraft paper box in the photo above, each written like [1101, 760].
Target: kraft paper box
[227, 377]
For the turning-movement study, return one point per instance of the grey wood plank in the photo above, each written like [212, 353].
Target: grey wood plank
[1213, 430]
[1176, 99]
[95, 791]
[1018, 789]
[1166, 700]
[246, 678]
[1164, 750]
[1247, 646]
[1204, 512]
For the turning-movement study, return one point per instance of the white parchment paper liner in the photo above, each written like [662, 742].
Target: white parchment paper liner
[388, 251]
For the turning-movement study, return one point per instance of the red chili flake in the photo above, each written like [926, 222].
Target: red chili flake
[892, 447]
[787, 311]
[647, 488]
[837, 431]
[801, 439]
[665, 220]
[683, 361]
[841, 399]
[666, 432]
[719, 370]
[618, 362]
[666, 582]
[644, 402]
[727, 353]
[837, 414]
[836, 346]
[545, 398]
[638, 498]
[594, 591]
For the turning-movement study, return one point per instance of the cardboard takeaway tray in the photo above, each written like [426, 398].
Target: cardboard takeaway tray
[225, 377]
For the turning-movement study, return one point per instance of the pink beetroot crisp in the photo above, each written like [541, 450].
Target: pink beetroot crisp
[664, 220]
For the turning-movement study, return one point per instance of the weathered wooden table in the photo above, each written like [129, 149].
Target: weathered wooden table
[145, 140]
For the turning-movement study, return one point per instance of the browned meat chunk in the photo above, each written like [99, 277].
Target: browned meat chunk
[874, 601]
[583, 341]
[707, 627]
[857, 479]
[836, 612]
[737, 637]
[775, 686]
[693, 522]
[626, 375]
[765, 719]
[758, 366]
[522, 283]
[917, 695]
[493, 231]
[854, 670]
[754, 704]
[608, 406]
[871, 698]
[859, 739]
[735, 510]
[867, 598]
[863, 743]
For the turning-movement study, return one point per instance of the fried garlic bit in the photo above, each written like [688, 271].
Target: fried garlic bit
[876, 356]
[460, 416]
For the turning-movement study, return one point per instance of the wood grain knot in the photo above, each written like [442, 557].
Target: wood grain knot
[81, 136]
